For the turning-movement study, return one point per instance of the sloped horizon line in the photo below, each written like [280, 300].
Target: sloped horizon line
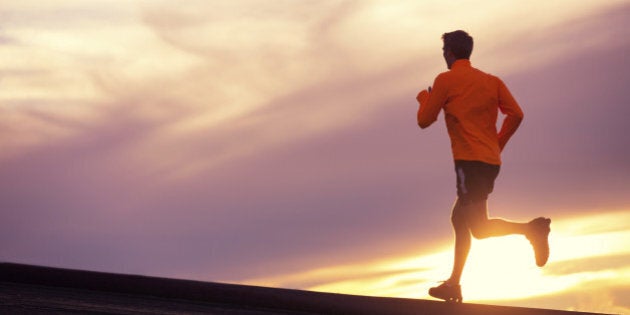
[235, 295]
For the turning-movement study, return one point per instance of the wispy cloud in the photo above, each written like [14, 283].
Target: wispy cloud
[240, 59]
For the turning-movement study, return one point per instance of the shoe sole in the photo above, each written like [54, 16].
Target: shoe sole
[447, 299]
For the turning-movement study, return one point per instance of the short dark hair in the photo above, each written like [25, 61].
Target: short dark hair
[459, 43]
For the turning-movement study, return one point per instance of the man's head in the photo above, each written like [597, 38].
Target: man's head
[457, 45]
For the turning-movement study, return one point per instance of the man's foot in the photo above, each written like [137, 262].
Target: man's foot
[447, 292]
[538, 236]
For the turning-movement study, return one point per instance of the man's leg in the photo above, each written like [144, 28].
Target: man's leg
[536, 231]
[483, 227]
[462, 241]
[472, 216]
[475, 181]
[450, 290]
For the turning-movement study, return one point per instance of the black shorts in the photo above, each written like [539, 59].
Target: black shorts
[475, 179]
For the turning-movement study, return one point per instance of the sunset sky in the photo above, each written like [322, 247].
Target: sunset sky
[275, 143]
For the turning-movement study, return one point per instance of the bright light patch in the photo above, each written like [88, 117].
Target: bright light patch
[498, 269]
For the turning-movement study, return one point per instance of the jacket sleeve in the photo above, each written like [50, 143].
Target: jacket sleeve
[513, 112]
[431, 102]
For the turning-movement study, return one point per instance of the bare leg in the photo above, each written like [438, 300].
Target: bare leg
[536, 231]
[482, 227]
[472, 217]
[462, 241]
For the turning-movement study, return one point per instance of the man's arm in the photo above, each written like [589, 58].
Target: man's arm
[431, 103]
[513, 112]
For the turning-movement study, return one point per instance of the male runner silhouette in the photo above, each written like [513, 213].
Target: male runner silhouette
[471, 100]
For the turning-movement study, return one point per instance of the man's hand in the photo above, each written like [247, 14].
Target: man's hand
[421, 95]
[427, 115]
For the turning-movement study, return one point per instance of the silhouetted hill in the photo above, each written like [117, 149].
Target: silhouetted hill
[28, 289]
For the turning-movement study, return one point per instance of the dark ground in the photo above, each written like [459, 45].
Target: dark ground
[41, 290]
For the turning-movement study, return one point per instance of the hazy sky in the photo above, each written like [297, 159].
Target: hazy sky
[246, 140]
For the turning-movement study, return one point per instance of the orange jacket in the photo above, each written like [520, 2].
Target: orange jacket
[471, 100]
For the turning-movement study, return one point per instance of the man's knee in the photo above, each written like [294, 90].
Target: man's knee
[479, 229]
[475, 215]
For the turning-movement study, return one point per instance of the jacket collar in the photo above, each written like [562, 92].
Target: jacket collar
[461, 63]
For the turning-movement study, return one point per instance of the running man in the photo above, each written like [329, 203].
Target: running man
[471, 100]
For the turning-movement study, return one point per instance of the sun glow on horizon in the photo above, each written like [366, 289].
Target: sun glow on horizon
[498, 269]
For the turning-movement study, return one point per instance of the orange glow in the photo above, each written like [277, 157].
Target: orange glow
[499, 269]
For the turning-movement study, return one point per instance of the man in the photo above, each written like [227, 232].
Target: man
[471, 100]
